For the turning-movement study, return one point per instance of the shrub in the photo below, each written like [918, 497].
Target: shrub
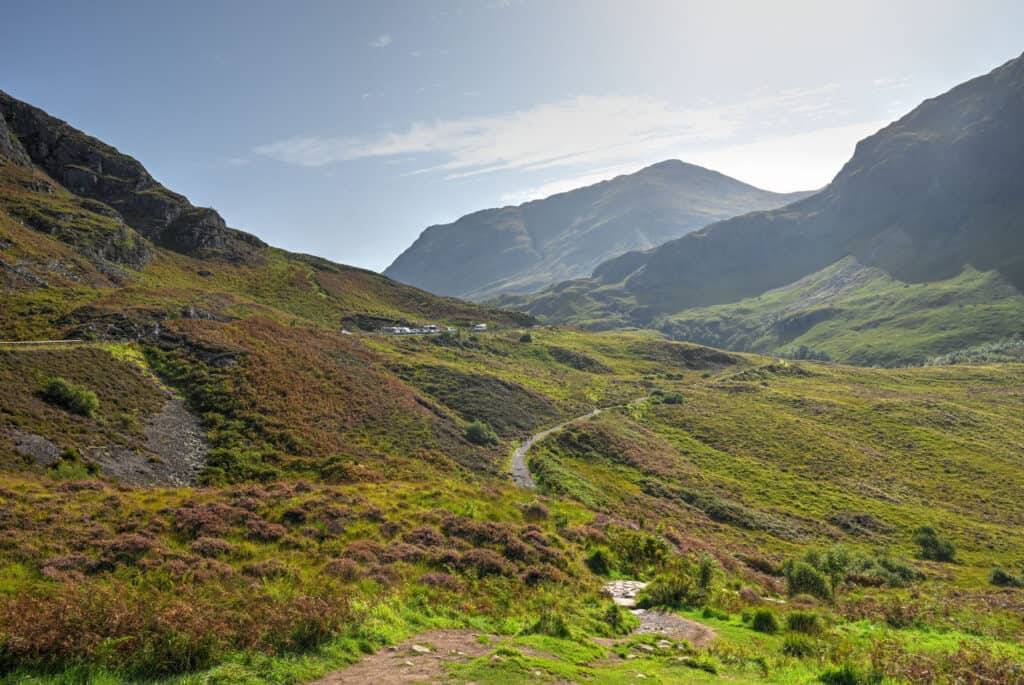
[600, 561]
[551, 624]
[615, 617]
[672, 398]
[806, 622]
[526, 338]
[764, 621]
[485, 562]
[849, 675]
[802, 578]
[1004, 579]
[637, 551]
[706, 572]
[671, 590]
[535, 511]
[933, 546]
[343, 569]
[480, 433]
[212, 547]
[799, 646]
[74, 398]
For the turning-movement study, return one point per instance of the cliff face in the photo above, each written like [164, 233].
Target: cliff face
[92, 169]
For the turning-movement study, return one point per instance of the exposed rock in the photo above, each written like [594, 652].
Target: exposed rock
[90, 168]
[10, 148]
[35, 447]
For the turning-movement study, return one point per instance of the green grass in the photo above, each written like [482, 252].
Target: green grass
[332, 452]
[860, 315]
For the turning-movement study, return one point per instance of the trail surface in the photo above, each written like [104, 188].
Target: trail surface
[426, 657]
[670, 625]
[521, 475]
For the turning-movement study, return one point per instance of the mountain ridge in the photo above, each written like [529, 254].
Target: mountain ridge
[928, 195]
[518, 248]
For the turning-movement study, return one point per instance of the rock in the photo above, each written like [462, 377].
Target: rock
[92, 169]
[420, 649]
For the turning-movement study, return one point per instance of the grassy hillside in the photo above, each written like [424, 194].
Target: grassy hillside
[217, 484]
[861, 315]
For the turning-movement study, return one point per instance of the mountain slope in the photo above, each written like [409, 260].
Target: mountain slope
[524, 248]
[337, 503]
[131, 232]
[861, 315]
[934, 192]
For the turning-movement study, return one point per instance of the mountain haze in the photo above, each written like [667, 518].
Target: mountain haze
[527, 247]
[933, 193]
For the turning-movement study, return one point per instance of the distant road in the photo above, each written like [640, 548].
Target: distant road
[521, 475]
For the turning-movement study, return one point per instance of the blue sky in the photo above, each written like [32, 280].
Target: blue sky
[345, 128]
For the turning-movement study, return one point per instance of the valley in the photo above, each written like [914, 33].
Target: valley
[787, 447]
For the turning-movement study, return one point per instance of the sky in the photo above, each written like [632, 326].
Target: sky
[343, 129]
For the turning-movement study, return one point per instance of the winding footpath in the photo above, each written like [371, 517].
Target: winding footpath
[521, 472]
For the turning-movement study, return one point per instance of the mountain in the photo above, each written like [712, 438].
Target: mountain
[131, 231]
[934, 193]
[204, 478]
[525, 248]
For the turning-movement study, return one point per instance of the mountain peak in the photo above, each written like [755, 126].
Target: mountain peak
[526, 247]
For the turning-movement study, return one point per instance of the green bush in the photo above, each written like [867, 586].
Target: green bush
[706, 569]
[849, 675]
[1003, 578]
[764, 621]
[480, 433]
[636, 552]
[671, 591]
[551, 624]
[526, 338]
[74, 398]
[600, 561]
[806, 622]
[799, 646]
[802, 578]
[933, 546]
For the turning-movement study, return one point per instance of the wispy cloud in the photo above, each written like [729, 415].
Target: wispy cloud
[381, 41]
[580, 130]
[783, 163]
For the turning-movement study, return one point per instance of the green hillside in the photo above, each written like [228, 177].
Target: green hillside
[224, 474]
[860, 315]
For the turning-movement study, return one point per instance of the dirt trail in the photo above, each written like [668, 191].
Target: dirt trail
[421, 659]
[425, 657]
[521, 472]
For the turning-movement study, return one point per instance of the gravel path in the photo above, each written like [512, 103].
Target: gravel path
[521, 472]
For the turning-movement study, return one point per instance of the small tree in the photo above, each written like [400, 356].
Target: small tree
[480, 433]
[933, 546]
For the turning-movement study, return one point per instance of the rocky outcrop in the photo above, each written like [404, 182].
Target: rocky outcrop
[10, 147]
[92, 169]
